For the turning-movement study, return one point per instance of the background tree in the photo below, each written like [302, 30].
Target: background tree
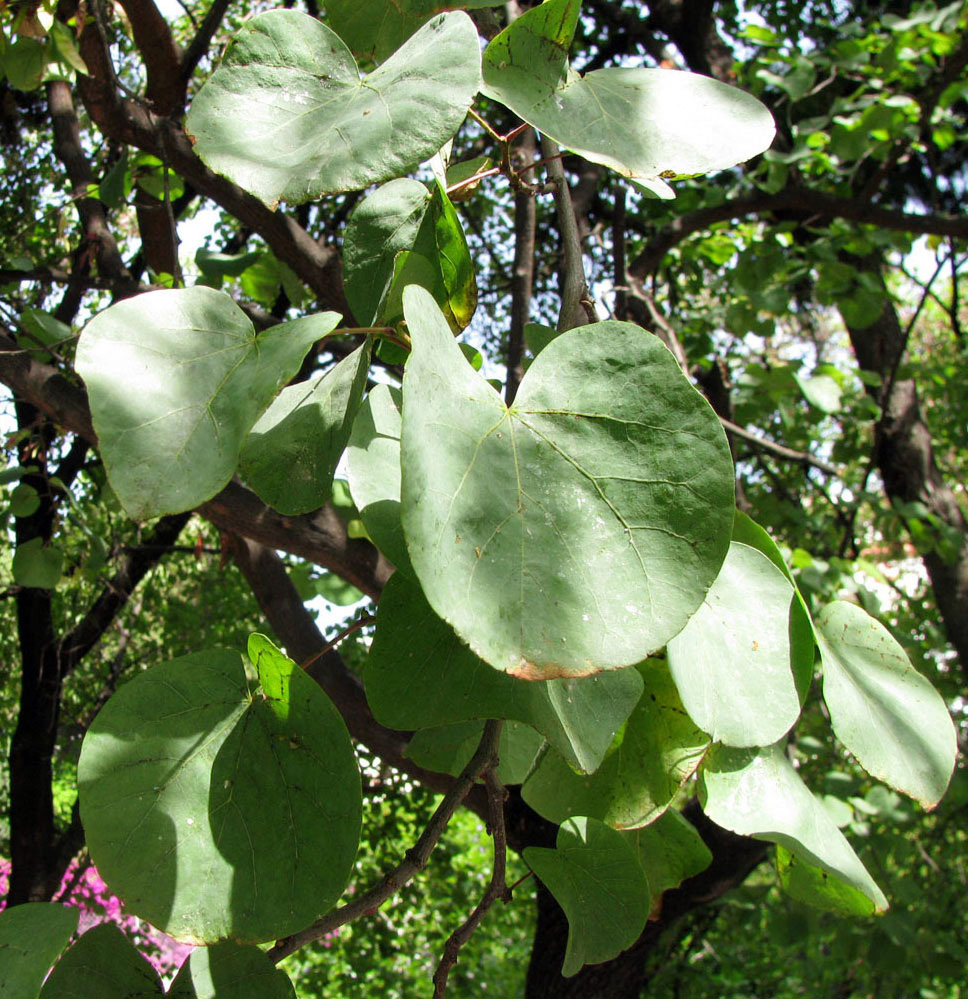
[789, 290]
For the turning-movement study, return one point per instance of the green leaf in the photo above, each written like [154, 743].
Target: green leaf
[756, 792]
[45, 329]
[596, 878]
[375, 29]
[882, 709]
[37, 566]
[537, 336]
[218, 265]
[209, 808]
[402, 234]
[32, 936]
[288, 117]
[448, 749]
[24, 501]
[291, 454]
[64, 48]
[228, 971]
[176, 379]
[813, 886]
[373, 468]
[732, 662]
[659, 751]
[579, 530]
[644, 123]
[25, 63]
[669, 850]
[116, 185]
[821, 391]
[420, 675]
[103, 963]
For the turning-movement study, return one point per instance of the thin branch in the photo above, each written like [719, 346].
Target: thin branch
[522, 283]
[497, 886]
[576, 306]
[361, 622]
[779, 450]
[415, 859]
[199, 45]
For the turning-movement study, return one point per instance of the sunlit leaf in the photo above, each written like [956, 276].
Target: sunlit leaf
[228, 971]
[32, 935]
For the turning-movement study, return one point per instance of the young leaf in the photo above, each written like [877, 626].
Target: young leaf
[595, 876]
[659, 751]
[644, 123]
[732, 661]
[373, 468]
[756, 792]
[228, 971]
[288, 117]
[882, 709]
[31, 937]
[207, 806]
[103, 963]
[579, 530]
[290, 456]
[420, 675]
[36, 565]
[176, 379]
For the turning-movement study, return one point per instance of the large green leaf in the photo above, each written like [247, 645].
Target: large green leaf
[217, 812]
[228, 971]
[881, 708]
[288, 117]
[31, 937]
[645, 123]
[732, 661]
[373, 468]
[103, 964]
[291, 454]
[420, 675]
[756, 792]
[579, 530]
[176, 379]
[660, 749]
[669, 850]
[376, 28]
[595, 876]
[404, 234]
[810, 884]
[448, 749]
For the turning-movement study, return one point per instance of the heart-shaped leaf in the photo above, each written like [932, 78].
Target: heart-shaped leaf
[669, 850]
[37, 565]
[420, 675]
[596, 878]
[31, 938]
[756, 792]
[183, 374]
[578, 530]
[217, 812]
[644, 123]
[288, 117]
[659, 751]
[733, 661]
[881, 708]
[228, 971]
[291, 454]
[103, 963]
[404, 234]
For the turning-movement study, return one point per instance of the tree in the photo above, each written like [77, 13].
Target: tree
[574, 580]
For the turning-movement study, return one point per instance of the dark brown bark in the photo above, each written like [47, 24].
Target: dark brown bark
[522, 281]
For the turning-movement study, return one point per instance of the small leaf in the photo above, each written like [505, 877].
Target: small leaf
[288, 117]
[37, 566]
[105, 964]
[647, 124]
[290, 456]
[732, 662]
[24, 500]
[182, 374]
[659, 751]
[420, 675]
[207, 807]
[882, 709]
[595, 876]
[373, 468]
[448, 749]
[578, 530]
[228, 971]
[32, 936]
[756, 792]
[821, 391]
[669, 850]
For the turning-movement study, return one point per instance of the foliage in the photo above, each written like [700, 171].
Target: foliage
[590, 638]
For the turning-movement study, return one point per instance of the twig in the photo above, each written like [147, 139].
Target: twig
[497, 887]
[414, 860]
[360, 622]
[779, 450]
